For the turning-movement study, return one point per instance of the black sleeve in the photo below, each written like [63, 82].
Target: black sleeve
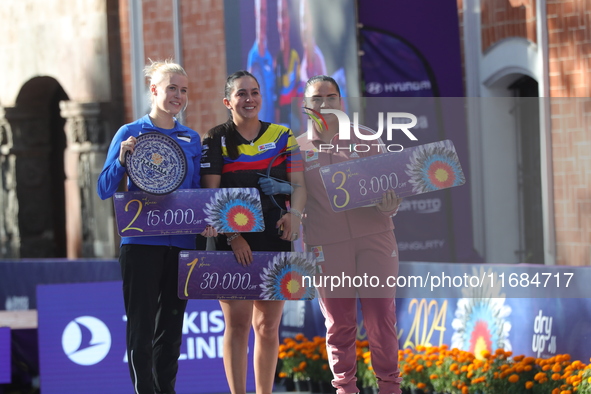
[212, 160]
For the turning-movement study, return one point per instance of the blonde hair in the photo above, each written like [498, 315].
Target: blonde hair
[156, 70]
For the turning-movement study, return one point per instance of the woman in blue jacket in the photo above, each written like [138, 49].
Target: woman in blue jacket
[149, 265]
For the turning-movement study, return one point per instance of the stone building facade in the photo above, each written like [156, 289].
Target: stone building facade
[547, 44]
[69, 85]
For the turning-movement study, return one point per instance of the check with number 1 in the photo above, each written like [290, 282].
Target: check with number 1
[416, 170]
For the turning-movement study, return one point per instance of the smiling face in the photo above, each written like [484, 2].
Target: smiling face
[169, 96]
[244, 99]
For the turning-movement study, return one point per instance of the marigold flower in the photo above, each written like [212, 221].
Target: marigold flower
[529, 360]
[300, 337]
[529, 384]
[514, 378]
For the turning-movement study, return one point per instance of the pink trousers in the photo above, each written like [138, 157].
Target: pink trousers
[374, 258]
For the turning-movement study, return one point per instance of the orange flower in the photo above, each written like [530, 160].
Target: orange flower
[529, 384]
[514, 378]
[529, 360]
[300, 337]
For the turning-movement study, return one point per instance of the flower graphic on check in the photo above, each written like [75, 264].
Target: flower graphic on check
[235, 210]
[283, 278]
[434, 167]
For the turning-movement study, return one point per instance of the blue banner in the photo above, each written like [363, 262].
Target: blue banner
[400, 59]
[82, 342]
[5, 356]
[540, 327]
[19, 278]
[470, 307]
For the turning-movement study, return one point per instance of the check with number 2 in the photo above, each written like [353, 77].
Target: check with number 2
[416, 170]
[188, 211]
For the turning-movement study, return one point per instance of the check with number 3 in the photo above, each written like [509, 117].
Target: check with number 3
[416, 170]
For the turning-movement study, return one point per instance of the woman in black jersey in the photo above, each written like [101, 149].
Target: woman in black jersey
[235, 154]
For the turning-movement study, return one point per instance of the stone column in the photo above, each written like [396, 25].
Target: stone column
[89, 221]
[25, 158]
[9, 231]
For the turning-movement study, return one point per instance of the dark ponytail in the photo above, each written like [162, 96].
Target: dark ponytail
[322, 78]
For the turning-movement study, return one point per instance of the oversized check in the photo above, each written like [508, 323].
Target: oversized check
[188, 211]
[416, 170]
[271, 276]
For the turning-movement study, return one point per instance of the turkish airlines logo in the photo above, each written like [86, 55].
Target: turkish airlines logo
[86, 340]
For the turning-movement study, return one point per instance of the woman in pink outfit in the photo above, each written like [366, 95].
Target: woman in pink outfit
[358, 242]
